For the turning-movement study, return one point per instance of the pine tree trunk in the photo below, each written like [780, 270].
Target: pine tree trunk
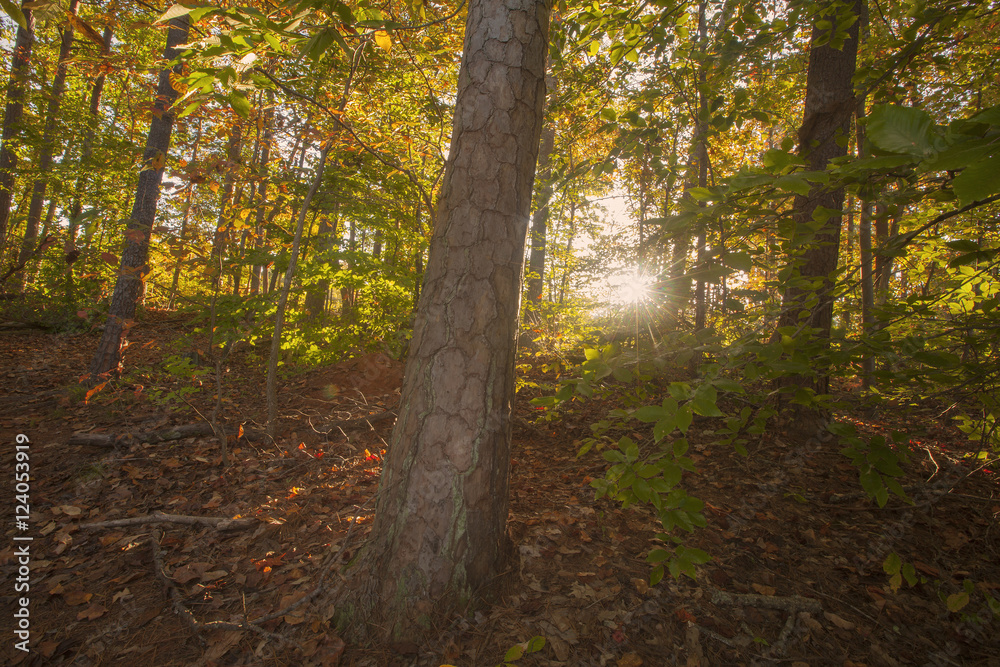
[128, 287]
[16, 89]
[439, 537]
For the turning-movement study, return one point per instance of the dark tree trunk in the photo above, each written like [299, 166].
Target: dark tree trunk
[325, 243]
[12, 116]
[829, 107]
[439, 537]
[128, 287]
[48, 146]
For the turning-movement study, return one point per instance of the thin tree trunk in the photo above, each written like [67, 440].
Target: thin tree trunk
[16, 90]
[128, 287]
[439, 536]
[220, 240]
[47, 147]
[185, 223]
[256, 270]
[829, 107]
[71, 254]
[700, 305]
[279, 315]
[865, 226]
[539, 223]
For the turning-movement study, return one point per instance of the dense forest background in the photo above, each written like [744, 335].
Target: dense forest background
[766, 216]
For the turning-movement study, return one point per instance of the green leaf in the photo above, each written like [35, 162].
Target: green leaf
[657, 556]
[705, 407]
[740, 261]
[684, 417]
[513, 653]
[957, 601]
[979, 180]
[656, 576]
[174, 12]
[239, 103]
[14, 12]
[901, 130]
[892, 564]
[794, 183]
[650, 413]
[535, 644]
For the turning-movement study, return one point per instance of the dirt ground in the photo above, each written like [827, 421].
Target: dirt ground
[796, 576]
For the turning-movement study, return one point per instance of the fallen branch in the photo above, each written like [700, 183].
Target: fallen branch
[794, 603]
[162, 435]
[219, 523]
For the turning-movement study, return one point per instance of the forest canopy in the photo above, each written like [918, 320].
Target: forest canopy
[790, 205]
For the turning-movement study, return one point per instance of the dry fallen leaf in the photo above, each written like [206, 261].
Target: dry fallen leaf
[74, 598]
[90, 613]
[841, 623]
[630, 660]
[764, 590]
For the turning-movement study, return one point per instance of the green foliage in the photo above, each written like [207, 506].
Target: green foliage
[518, 651]
[877, 462]
[899, 571]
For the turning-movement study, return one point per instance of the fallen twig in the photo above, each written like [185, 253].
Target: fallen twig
[219, 523]
[161, 435]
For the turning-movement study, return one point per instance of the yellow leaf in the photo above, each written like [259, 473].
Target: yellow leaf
[383, 41]
[957, 601]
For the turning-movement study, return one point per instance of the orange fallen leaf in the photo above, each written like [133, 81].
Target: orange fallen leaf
[630, 660]
[74, 598]
[764, 590]
[90, 613]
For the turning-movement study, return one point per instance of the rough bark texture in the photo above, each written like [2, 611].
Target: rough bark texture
[133, 263]
[439, 536]
[829, 106]
[12, 116]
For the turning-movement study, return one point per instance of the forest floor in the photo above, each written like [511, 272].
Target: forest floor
[796, 576]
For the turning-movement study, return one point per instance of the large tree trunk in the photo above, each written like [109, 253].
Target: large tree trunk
[48, 146]
[128, 287]
[12, 116]
[439, 536]
[829, 106]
